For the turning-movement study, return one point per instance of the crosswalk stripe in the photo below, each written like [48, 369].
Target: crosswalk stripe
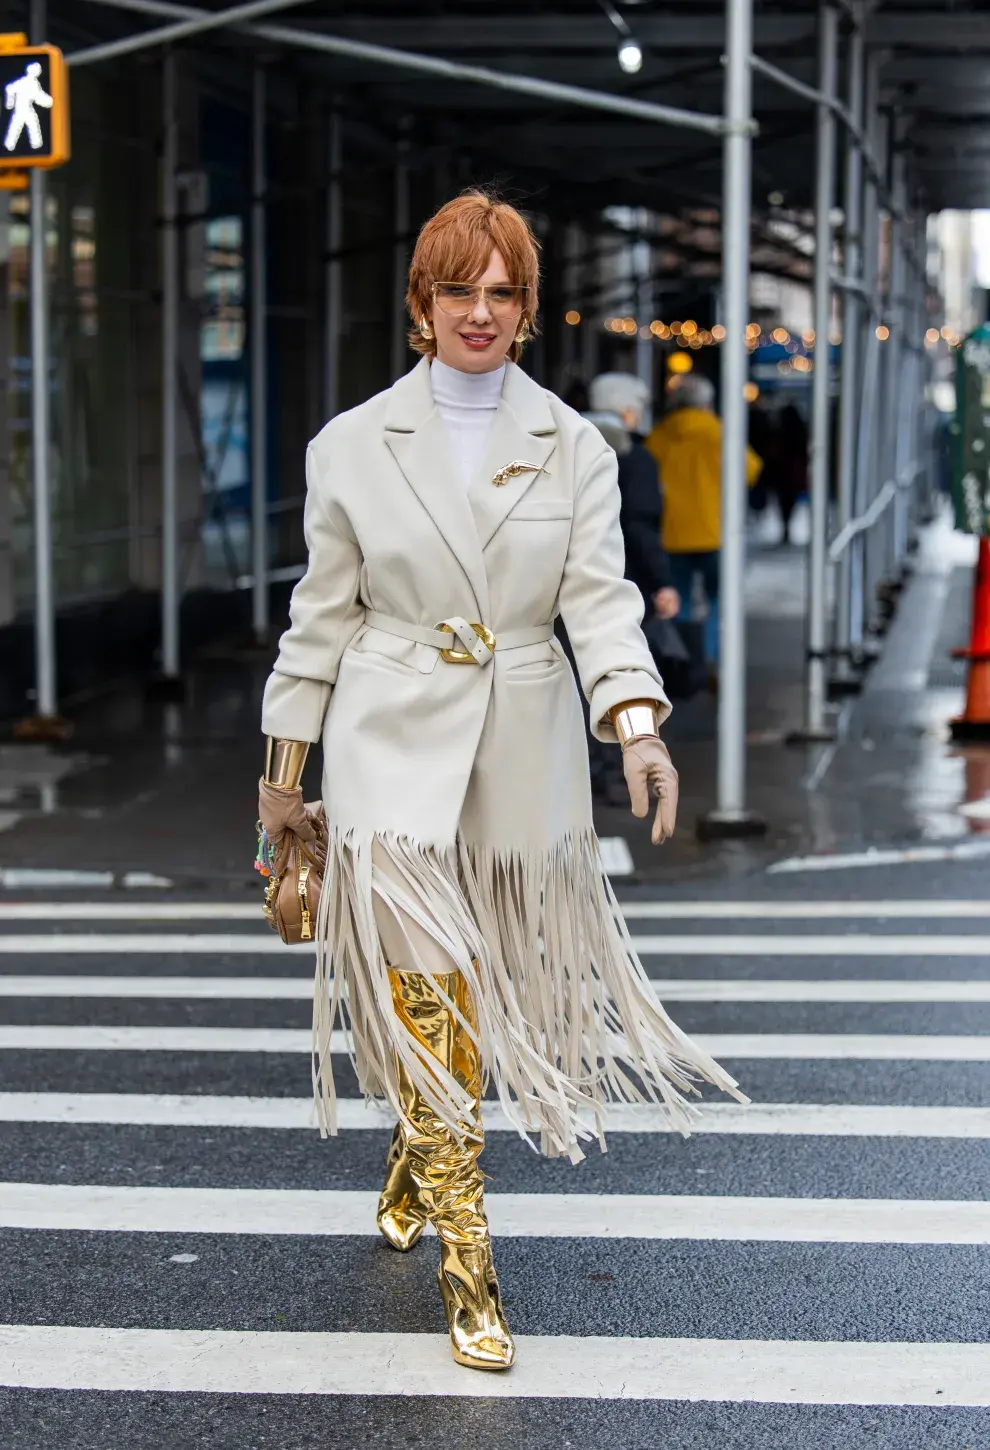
[113, 1209]
[798, 1046]
[855, 944]
[213, 989]
[749, 910]
[566, 1366]
[148, 943]
[671, 989]
[201, 1110]
[255, 944]
[799, 910]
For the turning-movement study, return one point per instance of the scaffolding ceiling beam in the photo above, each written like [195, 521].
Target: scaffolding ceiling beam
[431, 65]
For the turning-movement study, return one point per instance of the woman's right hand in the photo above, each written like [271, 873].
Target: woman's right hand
[281, 810]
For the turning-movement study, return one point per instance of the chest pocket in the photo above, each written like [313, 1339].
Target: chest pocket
[541, 510]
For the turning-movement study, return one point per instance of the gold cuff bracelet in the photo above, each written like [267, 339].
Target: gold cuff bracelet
[284, 761]
[634, 720]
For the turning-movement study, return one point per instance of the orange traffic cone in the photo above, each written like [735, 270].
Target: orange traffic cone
[974, 722]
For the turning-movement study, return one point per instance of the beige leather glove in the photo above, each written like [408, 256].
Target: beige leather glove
[647, 767]
[281, 810]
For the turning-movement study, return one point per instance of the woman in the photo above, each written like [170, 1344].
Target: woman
[465, 920]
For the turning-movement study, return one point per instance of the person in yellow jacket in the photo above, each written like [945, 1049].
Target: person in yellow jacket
[687, 445]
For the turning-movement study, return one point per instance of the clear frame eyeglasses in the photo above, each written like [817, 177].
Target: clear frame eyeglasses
[457, 299]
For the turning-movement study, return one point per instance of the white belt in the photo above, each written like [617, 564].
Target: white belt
[478, 641]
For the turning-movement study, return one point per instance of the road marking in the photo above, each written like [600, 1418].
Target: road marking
[565, 1366]
[842, 990]
[910, 856]
[30, 878]
[796, 910]
[829, 1120]
[631, 910]
[162, 1039]
[45, 1206]
[673, 989]
[856, 944]
[146, 944]
[213, 989]
[798, 1046]
[131, 911]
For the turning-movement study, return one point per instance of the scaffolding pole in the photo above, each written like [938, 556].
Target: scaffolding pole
[845, 678]
[816, 727]
[867, 400]
[259, 362]
[400, 253]
[170, 349]
[46, 693]
[334, 266]
[730, 817]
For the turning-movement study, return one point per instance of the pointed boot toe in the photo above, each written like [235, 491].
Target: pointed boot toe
[400, 1225]
[401, 1215]
[479, 1335]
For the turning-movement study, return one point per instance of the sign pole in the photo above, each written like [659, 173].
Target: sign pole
[34, 125]
[46, 706]
[170, 682]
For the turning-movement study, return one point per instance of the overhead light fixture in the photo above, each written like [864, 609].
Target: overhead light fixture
[630, 51]
[630, 56]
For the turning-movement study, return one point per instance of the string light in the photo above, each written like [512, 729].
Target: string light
[931, 337]
[572, 318]
[718, 333]
[750, 392]
[689, 328]
[781, 335]
[882, 332]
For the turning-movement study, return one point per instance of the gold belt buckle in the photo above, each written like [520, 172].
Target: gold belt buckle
[463, 656]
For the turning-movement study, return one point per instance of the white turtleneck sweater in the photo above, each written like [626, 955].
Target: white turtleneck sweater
[467, 403]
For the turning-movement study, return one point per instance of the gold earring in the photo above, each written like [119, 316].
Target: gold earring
[523, 334]
[426, 331]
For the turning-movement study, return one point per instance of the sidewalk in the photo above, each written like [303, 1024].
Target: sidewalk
[171, 790]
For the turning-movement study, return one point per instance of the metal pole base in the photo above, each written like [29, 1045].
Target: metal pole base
[806, 736]
[46, 729]
[971, 730]
[165, 690]
[843, 684]
[730, 826]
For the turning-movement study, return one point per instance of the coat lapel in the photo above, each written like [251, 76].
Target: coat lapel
[415, 435]
[524, 431]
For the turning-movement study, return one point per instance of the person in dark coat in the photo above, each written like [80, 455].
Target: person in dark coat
[619, 408]
[791, 477]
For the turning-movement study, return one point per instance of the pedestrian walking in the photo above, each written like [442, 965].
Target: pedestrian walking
[617, 404]
[465, 922]
[687, 445]
[790, 479]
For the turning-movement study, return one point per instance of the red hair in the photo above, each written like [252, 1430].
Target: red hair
[454, 246]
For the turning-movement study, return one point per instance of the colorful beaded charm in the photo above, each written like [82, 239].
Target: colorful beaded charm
[264, 862]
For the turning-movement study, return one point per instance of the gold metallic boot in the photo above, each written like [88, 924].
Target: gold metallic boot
[401, 1215]
[446, 1172]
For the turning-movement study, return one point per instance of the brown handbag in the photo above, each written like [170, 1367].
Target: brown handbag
[292, 896]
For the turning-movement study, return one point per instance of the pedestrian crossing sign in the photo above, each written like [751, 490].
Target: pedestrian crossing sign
[34, 106]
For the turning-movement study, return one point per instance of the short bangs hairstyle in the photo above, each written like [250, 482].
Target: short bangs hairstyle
[454, 246]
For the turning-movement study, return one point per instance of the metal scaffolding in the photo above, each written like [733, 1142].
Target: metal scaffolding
[878, 432]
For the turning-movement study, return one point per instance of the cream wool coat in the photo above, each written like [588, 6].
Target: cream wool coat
[473, 779]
